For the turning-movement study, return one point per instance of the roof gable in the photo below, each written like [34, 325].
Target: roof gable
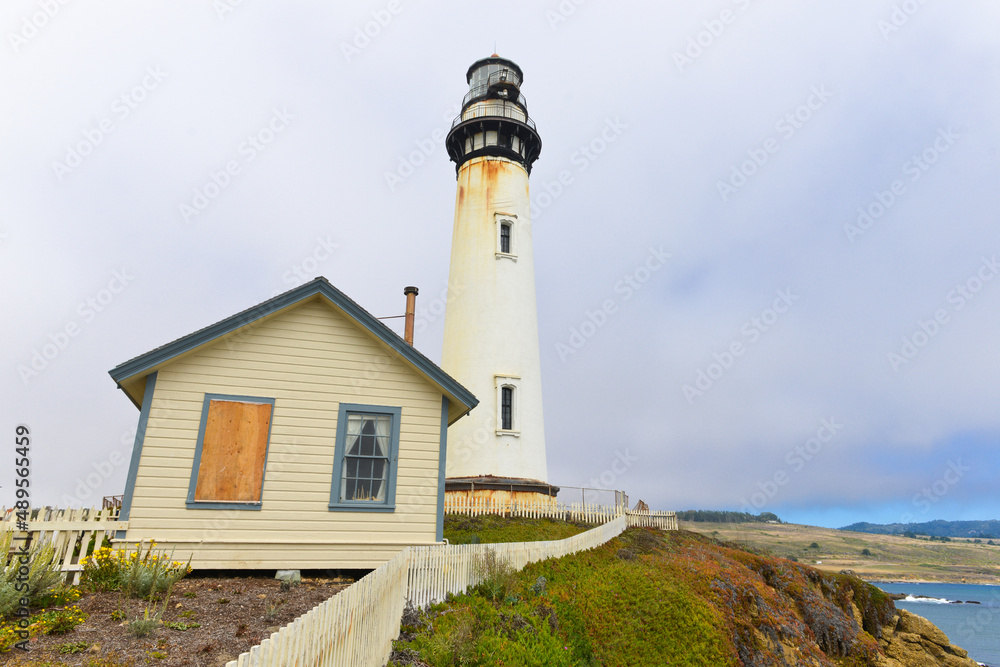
[130, 376]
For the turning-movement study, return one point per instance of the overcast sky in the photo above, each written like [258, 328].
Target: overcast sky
[822, 341]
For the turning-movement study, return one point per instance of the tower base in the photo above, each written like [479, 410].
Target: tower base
[501, 491]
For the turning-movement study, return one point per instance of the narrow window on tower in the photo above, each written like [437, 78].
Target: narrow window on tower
[508, 397]
[506, 236]
[507, 408]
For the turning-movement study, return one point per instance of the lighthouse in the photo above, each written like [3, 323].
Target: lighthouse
[491, 320]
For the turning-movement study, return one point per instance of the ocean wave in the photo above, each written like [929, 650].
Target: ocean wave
[924, 598]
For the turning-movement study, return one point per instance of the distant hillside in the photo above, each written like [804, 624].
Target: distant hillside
[722, 516]
[972, 529]
[871, 556]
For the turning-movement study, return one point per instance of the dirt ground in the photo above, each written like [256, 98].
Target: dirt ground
[232, 614]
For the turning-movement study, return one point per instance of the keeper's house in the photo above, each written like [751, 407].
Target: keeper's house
[301, 433]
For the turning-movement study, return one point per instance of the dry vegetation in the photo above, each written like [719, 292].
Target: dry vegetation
[888, 557]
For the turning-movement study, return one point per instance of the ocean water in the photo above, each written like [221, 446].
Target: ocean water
[974, 627]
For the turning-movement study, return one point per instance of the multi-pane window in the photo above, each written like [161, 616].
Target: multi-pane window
[507, 408]
[505, 237]
[366, 458]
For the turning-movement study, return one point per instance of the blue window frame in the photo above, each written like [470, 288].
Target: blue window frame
[366, 458]
[230, 457]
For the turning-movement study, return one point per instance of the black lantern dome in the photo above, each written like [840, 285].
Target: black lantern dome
[494, 119]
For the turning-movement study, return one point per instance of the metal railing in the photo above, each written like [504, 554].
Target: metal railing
[497, 109]
[483, 89]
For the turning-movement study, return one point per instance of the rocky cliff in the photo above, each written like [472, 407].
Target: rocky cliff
[913, 641]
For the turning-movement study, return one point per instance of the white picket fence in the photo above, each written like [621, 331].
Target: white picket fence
[647, 519]
[590, 513]
[543, 509]
[356, 627]
[65, 530]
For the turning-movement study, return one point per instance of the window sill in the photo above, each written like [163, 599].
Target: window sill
[506, 255]
[516, 434]
[362, 508]
[221, 505]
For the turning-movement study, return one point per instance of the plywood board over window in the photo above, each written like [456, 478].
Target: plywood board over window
[232, 451]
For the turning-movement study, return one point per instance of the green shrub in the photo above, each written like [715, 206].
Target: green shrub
[181, 625]
[74, 647]
[497, 577]
[134, 573]
[59, 597]
[43, 574]
[140, 627]
[478, 634]
[8, 636]
[57, 621]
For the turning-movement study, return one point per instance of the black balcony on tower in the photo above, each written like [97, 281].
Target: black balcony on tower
[494, 119]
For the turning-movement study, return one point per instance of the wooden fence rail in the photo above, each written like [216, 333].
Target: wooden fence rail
[69, 531]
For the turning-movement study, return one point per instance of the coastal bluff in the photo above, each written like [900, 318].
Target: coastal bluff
[678, 598]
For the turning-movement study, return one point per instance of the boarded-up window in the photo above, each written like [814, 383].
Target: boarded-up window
[233, 452]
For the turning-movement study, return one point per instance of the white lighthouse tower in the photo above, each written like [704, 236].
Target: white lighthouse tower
[491, 322]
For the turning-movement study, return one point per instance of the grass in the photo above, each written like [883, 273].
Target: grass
[650, 598]
[494, 529]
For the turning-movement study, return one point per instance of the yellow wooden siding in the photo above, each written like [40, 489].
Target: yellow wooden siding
[309, 359]
[276, 556]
